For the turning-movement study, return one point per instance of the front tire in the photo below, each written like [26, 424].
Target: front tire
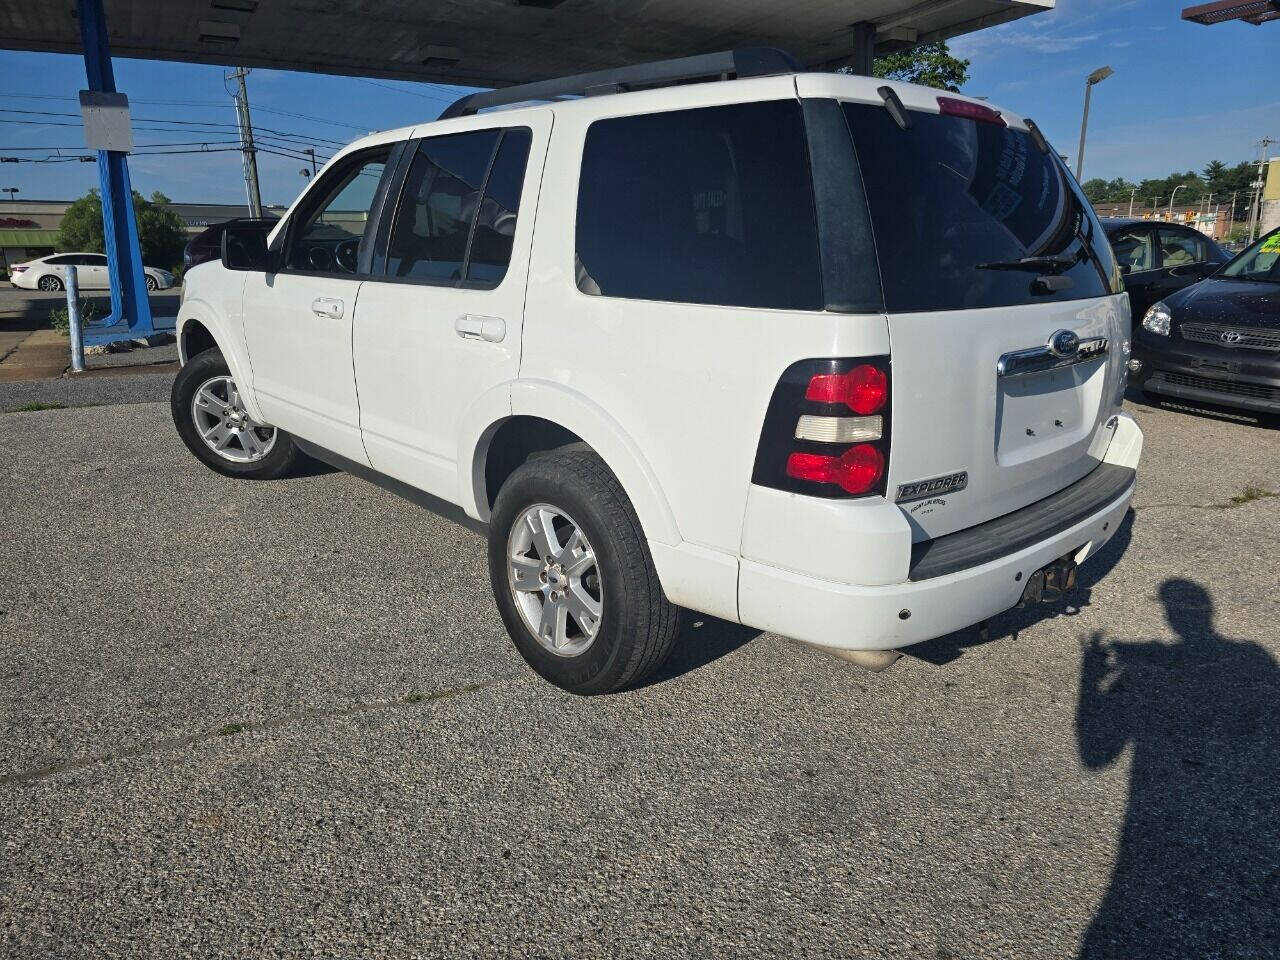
[573, 577]
[212, 422]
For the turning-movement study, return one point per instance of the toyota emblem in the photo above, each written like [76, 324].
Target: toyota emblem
[1230, 337]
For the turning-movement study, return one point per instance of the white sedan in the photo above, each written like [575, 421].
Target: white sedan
[49, 273]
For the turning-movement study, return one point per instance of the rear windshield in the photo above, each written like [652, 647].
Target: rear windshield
[956, 203]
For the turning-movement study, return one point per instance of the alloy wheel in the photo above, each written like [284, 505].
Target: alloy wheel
[555, 580]
[224, 426]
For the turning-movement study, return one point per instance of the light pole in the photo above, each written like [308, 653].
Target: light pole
[11, 191]
[1132, 193]
[1171, 199]
[1090, 82]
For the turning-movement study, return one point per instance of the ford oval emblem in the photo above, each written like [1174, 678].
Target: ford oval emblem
[1064, 344]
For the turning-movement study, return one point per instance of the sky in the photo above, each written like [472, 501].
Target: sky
[1182, 95]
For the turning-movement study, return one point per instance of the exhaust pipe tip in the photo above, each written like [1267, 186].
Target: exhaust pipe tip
[873, 660]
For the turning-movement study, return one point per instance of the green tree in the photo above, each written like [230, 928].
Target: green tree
[1213, 171]
[930, 64]
[160, 230]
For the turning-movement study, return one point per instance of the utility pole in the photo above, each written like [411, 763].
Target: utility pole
[1255, 214]
[249, 151]
[1132, 193]
[311, 151]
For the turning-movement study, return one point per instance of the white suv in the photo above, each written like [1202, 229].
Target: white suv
[819, 354]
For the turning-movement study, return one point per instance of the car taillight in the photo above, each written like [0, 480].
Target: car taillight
[17, 268]
[953, 107]
[810, 444]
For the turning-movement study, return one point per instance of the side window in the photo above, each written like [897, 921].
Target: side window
[1180, 246]
[62, 260]
[496, 221]
[328, 237]
[712, 205]
[438, 204]
[1134, 249]
[94, 260]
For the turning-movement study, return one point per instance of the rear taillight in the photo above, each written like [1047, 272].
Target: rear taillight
[810, 443]
[953, 107]
[17, 268]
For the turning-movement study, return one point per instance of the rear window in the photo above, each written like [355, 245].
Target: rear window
[712, 205]
[955, 203]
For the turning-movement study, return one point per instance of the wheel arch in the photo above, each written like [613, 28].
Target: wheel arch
[200, 328]
[542, 415]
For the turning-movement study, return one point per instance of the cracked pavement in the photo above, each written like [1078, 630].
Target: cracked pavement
[283, 719]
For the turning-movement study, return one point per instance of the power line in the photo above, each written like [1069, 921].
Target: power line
[184, 123]
[204, 103]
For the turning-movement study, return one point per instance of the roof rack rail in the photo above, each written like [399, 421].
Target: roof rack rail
[748, 62]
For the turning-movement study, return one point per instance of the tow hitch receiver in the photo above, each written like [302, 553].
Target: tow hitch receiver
[1048, 584]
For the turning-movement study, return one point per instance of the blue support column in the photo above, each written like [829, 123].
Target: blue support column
[130, 309]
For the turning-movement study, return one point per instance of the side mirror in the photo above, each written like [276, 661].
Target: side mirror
[245, 248]
[1126, 268]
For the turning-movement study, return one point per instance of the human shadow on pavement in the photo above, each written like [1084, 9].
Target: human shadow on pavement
[1197, 871]
[944, 650]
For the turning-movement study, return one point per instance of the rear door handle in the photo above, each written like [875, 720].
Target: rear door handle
[327, 307]
[472, 327]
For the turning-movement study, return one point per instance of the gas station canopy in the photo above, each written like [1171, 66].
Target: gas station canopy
[495, 42]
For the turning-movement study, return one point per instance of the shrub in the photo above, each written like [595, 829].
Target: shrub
[61, 319]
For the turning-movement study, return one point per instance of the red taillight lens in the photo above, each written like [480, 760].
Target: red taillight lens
[857, 470]
[863, 389]
[952, 107]
[17, 268]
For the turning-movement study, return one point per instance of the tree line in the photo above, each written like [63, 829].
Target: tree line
[1217, 179]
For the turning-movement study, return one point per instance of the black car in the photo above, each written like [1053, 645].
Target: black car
[1158, 258]
[1217, 341]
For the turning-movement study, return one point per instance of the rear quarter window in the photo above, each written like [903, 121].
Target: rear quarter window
[712, 205]
[949, 195]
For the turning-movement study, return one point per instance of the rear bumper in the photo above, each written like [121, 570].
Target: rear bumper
[1234, 377]
[887, 616]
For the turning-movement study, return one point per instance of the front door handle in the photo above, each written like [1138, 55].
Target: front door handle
[472, 327]
[327, 307]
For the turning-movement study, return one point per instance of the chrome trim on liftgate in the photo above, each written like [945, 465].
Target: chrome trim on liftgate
[1063, 349]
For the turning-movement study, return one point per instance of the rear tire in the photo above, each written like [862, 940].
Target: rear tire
[151, 283]
[49, 283]
[619, 627]
[212, 423]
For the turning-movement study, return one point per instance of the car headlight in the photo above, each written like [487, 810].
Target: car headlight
[1157, 319]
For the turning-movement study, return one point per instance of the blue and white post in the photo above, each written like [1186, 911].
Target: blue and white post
[130, 310]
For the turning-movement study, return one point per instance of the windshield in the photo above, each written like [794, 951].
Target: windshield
[971, 214]
[1259, 262]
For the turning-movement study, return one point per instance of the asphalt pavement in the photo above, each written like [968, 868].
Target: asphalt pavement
[283, 719]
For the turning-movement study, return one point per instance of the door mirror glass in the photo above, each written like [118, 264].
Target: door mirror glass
[245, 248]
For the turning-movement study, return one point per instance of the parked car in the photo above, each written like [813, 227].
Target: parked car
[48, 273]
[1158, 258]
[1219, 341]
[824, 355]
